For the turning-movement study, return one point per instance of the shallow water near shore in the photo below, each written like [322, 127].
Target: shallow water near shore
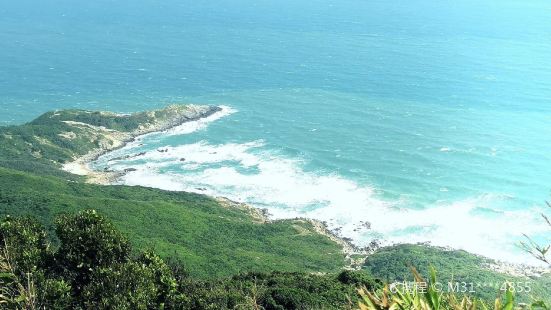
[430, 203]
[402, 121]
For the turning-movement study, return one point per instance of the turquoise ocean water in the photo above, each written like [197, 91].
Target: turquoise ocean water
[429, 120]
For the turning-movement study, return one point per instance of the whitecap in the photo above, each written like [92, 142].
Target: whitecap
[282, 185]
[251, 173]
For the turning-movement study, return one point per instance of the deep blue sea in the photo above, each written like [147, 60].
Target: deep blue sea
[403, 121]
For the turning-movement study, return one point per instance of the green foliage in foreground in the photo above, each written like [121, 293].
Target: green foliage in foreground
[212, 240]
[394, 264]
[432, 297]
[93, 268]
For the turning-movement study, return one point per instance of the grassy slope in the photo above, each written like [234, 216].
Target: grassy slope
[210, 239]
[38, 146]
[42, 145]
[392, 264]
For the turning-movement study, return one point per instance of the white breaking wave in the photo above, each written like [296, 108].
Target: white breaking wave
[248, 173]
[189, 127]
[185, 128]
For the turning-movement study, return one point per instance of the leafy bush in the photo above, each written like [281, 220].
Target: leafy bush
[426, 295]
[94, 269]
[88, 242]
[129, 285]
[394, 263]
[212, 240]
[24, 240]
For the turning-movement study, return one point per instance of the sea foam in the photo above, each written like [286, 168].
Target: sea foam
[189, 127]
[252, 173]
[283, 187]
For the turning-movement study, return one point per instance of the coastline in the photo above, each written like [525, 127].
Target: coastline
[354, 255]
[81, 164]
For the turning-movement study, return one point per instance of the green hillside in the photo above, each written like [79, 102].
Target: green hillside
[54, 138]
[453, 266]
[211, 239]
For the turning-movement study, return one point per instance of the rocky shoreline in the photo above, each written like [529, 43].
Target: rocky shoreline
[179, 115]
[354, 255]
[81, 166]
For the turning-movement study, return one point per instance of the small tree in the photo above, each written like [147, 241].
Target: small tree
[88, 242]
[23, 249]
[163, 278]
[25, 239]
[16, 291]
[129, 285]
[24, 258]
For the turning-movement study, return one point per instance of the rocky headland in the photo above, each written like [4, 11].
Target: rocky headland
[109, 139]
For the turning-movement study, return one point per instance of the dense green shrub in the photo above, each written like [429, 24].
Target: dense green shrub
[94, 269]
[162, 277]
[24, 240]
[88, 241]
[277, 290]
[210, 239]
[394, 263]
[361, 279]
[129, 285]
[54, 294]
